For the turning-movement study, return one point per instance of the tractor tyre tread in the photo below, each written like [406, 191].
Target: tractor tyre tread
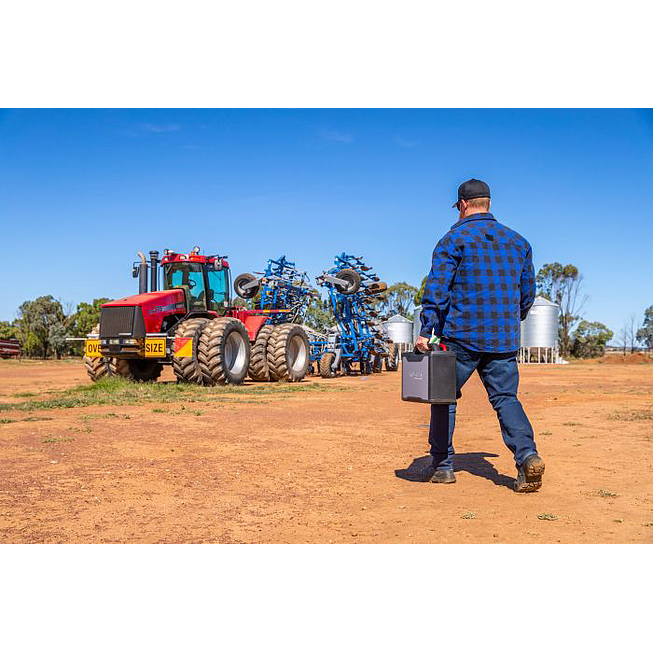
[96, 368]
[258, 362]
[187, 370]
[391, 362]
[326, 361]
[210, 355]
[277, 354]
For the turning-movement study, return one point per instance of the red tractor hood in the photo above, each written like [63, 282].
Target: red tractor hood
[150, 300]
[155, 306]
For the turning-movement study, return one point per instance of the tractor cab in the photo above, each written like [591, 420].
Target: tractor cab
[205, 280]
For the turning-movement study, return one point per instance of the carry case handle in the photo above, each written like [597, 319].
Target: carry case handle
[441, 346]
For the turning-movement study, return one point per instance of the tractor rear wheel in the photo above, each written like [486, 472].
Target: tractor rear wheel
[288, 353]
[224, 351]
[187, 370]
[392, 361]
[135, 369]
[96, 368]
[326, 361]
[258, 362]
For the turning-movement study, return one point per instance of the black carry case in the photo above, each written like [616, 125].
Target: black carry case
[429, 378]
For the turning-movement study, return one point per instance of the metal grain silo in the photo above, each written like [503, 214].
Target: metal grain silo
[540, 328]
[400, 329]
[539, 331]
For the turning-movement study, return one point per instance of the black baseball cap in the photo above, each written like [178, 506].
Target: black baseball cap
[471, 189]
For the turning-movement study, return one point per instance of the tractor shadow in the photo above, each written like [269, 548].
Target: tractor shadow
[475, 463]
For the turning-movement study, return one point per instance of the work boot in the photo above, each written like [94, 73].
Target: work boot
[529, 474]
[443, 476]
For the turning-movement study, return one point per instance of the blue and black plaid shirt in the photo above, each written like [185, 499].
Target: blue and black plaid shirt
[481, 285]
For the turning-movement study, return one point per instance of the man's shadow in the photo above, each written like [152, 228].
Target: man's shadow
[474, 462]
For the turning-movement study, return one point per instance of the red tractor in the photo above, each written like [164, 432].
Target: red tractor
[192, 325]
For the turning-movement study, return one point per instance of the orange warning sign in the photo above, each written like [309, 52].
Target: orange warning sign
[183, 347]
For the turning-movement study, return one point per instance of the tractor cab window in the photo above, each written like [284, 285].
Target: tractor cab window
[218, 289]
[190, 278]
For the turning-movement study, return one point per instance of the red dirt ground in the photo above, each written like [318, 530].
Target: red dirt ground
[326, 466]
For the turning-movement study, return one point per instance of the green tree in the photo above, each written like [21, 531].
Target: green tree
[57, 334]
[420, 293]
[645, 333]
[589, 339]
[318, 317]
[562, 285]
[8, 330]
[398, 298]
[34, 321]
[86, 316]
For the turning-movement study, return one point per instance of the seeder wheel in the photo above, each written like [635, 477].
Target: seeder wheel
[326, 361]
[392, 361]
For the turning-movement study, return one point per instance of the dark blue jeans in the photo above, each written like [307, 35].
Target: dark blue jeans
[500, 376]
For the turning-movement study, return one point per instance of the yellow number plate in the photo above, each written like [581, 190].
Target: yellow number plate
[155, 347]
[92, 349]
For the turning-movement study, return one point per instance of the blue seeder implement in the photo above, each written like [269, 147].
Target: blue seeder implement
[359, 338]
[283, 288]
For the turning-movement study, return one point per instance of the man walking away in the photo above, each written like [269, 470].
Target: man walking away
[481, 285]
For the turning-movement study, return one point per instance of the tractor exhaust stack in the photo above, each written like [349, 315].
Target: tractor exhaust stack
[142, 274]
[154, 259]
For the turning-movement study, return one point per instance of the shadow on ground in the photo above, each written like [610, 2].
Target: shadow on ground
[475, 463]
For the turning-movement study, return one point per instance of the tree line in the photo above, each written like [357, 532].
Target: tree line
[43, 324]
[579, 338]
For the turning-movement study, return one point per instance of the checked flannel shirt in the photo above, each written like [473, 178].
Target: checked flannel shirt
[481, 285]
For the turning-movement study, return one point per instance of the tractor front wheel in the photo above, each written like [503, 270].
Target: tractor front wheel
[135, 369]
[187, 369]
[224, 351]
[96, 368]
[288, 353]
[377, 363]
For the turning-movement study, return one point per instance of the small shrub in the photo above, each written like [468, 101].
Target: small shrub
[547, 516]
[607, 493]
[469, 515]
[631, 415]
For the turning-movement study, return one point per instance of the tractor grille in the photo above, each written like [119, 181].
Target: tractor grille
[117, 320]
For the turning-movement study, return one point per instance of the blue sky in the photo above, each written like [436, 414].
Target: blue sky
[82, 190]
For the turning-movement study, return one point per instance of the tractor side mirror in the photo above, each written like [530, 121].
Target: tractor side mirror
[135, 270]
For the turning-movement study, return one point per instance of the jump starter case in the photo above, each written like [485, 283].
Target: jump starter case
[429, 378]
